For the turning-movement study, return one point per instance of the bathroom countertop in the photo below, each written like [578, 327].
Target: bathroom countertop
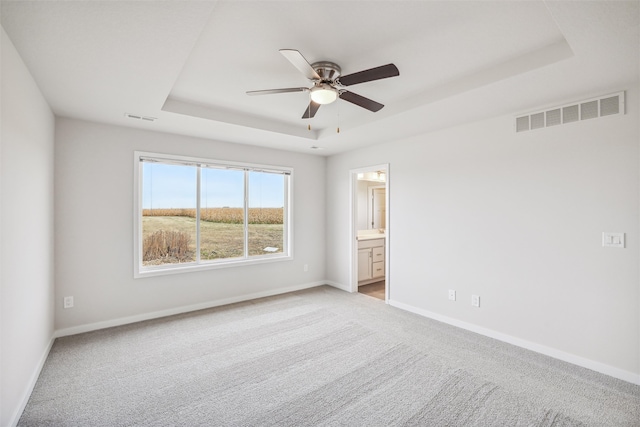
[371, 236]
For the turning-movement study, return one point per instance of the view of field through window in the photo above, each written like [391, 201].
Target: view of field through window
[169, 221]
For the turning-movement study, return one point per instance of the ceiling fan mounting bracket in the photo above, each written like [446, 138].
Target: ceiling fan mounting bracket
[328, 71]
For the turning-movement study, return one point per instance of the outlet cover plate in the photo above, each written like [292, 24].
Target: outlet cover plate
[452, 294]
[68, 302]
[475, 300]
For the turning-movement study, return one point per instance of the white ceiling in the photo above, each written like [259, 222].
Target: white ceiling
[189, 63]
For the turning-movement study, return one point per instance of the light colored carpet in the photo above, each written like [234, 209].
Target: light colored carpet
[318, 357]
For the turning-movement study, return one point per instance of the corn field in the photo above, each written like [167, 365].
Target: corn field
[224, 215]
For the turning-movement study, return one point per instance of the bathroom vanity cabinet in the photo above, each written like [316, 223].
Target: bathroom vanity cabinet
[370, 261]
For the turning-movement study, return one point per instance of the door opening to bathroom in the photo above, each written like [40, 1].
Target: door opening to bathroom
[370, 231]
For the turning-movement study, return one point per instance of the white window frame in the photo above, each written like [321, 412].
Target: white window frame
[141, 271]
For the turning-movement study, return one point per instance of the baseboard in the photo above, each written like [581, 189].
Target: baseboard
[338, 285]
[538, 348]
[179, 310]
[31, 384]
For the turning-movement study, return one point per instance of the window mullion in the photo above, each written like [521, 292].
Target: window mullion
[285, 218]
[198, 197]
[246, 213]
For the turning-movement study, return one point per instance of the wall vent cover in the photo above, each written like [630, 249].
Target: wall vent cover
[537, 120]
[609, 106]
[593, 108]
[554, 117]
[522, 123]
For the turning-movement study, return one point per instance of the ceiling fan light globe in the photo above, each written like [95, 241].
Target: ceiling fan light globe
[323, 94]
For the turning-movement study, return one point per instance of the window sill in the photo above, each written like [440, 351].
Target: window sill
[142, 272]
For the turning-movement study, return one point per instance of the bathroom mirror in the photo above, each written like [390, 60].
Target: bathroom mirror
[372, 200]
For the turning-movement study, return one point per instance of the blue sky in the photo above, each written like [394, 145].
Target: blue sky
[174, 186]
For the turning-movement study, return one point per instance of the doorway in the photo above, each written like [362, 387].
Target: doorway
[369, 231]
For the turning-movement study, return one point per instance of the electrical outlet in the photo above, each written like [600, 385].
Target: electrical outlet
[306, 267]
[475, 300]
[452, 294]
[68, 302]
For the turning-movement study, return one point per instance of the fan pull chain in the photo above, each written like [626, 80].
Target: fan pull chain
[338, 108]
[309, 112]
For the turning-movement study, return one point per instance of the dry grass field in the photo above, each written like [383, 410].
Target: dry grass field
[172, 239]
[224, 215]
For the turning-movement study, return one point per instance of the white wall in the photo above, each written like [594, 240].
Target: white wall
[516, 219]
[94, 228]
[26, 233]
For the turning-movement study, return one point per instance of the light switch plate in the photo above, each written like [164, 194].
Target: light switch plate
[613, 240]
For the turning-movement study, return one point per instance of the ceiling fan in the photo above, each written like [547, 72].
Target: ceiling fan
[328, 84]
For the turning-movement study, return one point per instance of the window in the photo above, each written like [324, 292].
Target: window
[196, 213]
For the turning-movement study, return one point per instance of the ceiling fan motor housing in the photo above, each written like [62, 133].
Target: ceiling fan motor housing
[328, 71]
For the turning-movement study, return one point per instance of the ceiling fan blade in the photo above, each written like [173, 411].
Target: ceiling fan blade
[361, 101]
[311, 110]
[300, 63]
[271, 91]
[382, 72]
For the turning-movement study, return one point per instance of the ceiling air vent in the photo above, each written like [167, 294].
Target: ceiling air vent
[139, 117]
[607, 105]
